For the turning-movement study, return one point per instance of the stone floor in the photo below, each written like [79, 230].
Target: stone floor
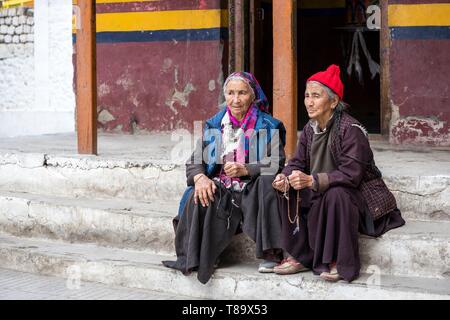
[177, 146]
[15, 285]
[89, 211]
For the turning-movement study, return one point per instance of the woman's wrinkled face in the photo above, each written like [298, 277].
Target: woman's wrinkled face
[239, 97]
[318, 104]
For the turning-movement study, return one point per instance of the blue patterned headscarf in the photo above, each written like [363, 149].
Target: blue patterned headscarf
[260, 98]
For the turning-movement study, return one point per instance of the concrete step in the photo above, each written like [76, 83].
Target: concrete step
[91, 176]
[420, 248]
[16, 285]
[137, 269]
[420, 181]
[120, 223]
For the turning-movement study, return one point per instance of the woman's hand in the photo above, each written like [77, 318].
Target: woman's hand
[299, 180]
[204, 189]
[279, 183]
[235, 169]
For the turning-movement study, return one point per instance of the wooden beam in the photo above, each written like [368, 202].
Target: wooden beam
[385, 41]
[239, 36]
[285, 69]
[86, 80]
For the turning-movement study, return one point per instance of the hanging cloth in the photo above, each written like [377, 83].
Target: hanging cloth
[354, 62]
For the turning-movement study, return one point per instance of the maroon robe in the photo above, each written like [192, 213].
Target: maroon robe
[350, 199]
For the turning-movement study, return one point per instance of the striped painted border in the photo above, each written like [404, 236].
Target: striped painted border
[173, 25]
[109, 6]
[123, 1]
[162, 20]
[414, 15]
[420, 33]
[161, 35]
[118, 1]
[161, 5]
[419, 21]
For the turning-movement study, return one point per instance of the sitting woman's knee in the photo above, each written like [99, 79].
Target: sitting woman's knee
[337, 192]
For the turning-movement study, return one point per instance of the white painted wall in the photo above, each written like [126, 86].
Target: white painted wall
[36, 93]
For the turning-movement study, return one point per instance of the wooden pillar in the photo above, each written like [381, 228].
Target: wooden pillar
[237, 35]
[285, 69]
[86, 80]
[385, 40]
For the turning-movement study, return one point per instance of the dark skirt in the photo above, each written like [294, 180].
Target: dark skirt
[202, 234]
[330, 223]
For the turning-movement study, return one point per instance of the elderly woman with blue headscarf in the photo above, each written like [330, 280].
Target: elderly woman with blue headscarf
[229, 179]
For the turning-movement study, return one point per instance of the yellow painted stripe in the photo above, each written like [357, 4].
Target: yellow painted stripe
[412, 15]
[325, 4]
[162, 20]
[13, 3]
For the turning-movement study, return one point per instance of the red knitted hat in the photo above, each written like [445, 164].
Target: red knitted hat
[331, 78]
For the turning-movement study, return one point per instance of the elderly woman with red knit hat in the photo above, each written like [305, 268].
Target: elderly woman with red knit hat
[333, 188]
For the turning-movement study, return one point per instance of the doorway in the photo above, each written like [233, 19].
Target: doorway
[328, 32]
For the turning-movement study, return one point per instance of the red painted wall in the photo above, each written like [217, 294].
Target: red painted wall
[419, 84]
[159, 85]
[420, 96]
[164, 83]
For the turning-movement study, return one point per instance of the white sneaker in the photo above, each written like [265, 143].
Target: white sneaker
[267, 266]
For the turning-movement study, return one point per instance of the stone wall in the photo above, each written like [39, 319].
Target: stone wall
[36, 70]
[16, 63]
[16, 31]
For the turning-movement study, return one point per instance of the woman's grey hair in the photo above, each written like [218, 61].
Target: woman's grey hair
[241, 79]
[341, 106]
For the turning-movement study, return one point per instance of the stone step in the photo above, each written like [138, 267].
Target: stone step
[16, 285]
[419, 248]
[120, 223]
[420, 181]
[137, 269]
[91, 176]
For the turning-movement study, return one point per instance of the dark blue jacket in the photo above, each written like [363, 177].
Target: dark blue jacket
[266, 128]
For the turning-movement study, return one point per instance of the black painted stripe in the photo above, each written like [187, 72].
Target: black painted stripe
[162, 35]
[420, 33]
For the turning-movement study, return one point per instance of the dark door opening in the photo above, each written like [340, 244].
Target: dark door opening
[324, 36]
[261, 45]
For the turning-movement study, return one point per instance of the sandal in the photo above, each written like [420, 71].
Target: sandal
[289, 266]
[333, 275]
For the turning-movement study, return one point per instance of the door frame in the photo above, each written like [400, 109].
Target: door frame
[243, 55]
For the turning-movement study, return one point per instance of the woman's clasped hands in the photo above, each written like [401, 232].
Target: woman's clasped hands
[297, 180]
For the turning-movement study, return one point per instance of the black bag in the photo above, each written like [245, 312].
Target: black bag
[227, 204]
